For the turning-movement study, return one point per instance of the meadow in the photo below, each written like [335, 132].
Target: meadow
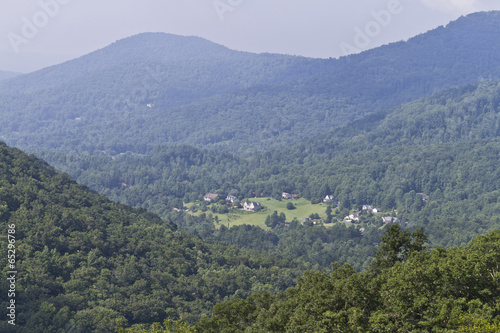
[303, 208]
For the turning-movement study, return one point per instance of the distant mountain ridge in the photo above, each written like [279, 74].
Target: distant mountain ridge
[146, 49]
[156, 88]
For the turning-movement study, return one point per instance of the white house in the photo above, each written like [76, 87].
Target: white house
[251, 206]
[329, 198]
[231, 198]
[354, 217]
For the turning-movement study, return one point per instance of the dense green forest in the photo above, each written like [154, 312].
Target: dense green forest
[434, 160]
[407, 289]
[156, 89]
[84, 261]
[157, 121]
[88, 264]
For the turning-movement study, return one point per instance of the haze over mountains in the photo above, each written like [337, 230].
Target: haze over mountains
[157, 121]
[7, 75]
[376, 159]
[153, 89]
[24, 62]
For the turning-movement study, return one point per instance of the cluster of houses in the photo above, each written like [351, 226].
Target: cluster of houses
[248, 205]
[370, 209]
[355, 217]
[251, 206]
[351, 217]
[231, 198]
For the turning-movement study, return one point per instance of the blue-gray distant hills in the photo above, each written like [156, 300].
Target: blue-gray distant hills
[405, 136]
[157, 88]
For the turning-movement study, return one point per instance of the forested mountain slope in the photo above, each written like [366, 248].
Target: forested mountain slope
[453, 290]
[154, 89]
[83, 261]
[189, 66]
[444, 149]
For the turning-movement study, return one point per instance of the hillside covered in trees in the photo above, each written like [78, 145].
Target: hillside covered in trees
[84, 262]
[87, 264]
[157, 121]
[408, 289]
[156, 89]
[443, 148]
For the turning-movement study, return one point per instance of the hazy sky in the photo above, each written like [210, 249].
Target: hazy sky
[60, 29]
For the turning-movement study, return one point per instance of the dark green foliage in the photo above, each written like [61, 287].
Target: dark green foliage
[89, 263]
[397, 246]
[85, 262]
[274, 219]
[371, 161]
[454, 290]
[328, 214]
[316, 245]
[169, 326]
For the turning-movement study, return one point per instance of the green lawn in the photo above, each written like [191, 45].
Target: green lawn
[304, 208]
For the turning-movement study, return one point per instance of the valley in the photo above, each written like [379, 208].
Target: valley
[169, 180]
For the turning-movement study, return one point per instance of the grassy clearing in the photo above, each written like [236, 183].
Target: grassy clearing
[304, 208]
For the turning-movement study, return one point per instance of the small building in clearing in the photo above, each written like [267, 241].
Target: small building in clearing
[390, 219]
[210, 196]
[354, 217]
[329, 198]
[251, 206]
